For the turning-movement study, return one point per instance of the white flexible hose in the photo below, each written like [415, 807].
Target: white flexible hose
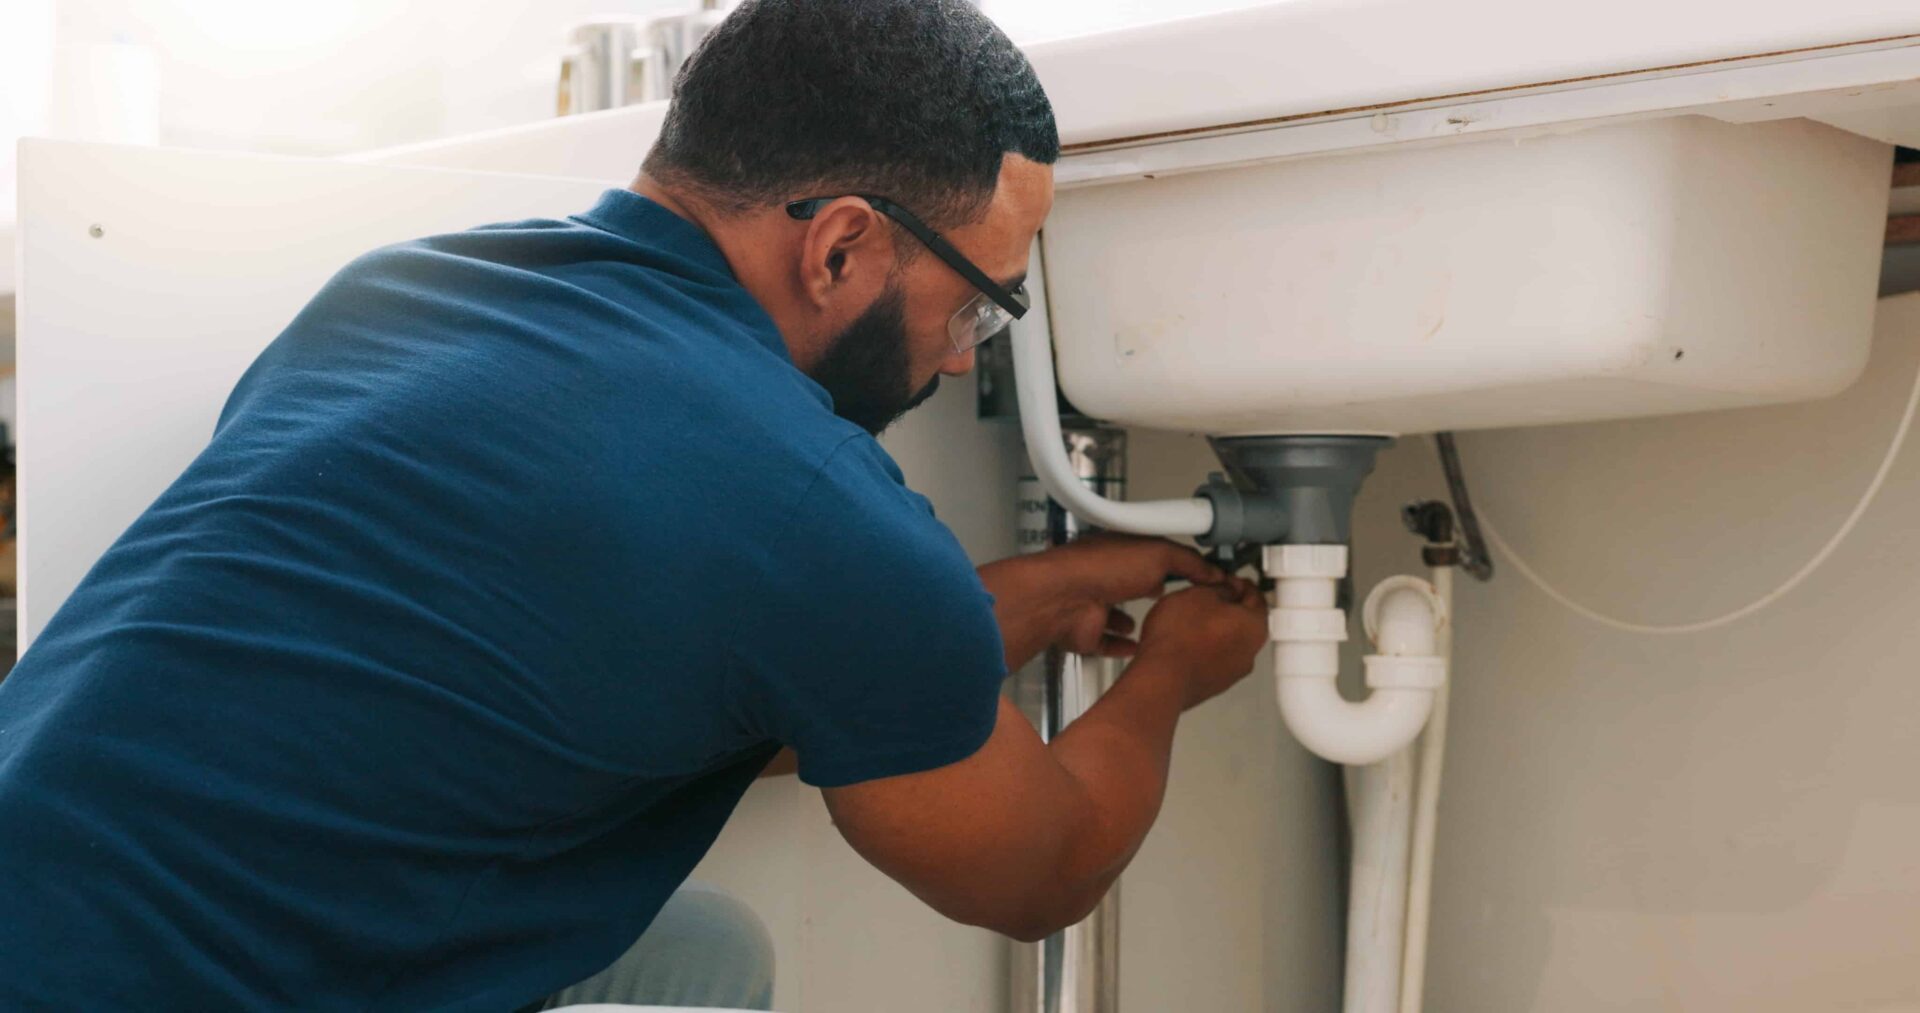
[1039, 400]
[1426, 814]
[1819, 558]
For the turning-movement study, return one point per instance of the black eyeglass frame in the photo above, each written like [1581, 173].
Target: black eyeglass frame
[807, 208]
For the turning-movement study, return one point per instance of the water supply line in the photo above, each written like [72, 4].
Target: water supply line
[1040, 422]
[1469, 552]
[1894, 445]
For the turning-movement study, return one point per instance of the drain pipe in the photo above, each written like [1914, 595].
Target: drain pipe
[1403, 618]
[1308, 630]
[1433, 742]
[1380, 804]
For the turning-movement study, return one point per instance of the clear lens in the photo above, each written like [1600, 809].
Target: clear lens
[981, 318]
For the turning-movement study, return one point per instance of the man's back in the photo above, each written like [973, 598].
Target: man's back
[433, 676]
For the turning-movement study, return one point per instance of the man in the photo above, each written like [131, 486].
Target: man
[523, 550]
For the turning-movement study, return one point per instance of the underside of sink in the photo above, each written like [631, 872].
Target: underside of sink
[1659, 267]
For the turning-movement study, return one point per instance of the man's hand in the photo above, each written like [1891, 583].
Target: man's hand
[1207, 634]
[1068, 597]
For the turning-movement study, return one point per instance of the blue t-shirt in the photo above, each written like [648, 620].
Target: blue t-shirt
[510, 564]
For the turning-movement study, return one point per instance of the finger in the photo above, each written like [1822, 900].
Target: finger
[1120, 622]
[1185, 564]
[1089, 626]
[1118, 647]
[1230, 589]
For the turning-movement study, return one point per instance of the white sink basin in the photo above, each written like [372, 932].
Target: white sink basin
[1667, 266]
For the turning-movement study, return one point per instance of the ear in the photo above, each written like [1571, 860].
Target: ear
[846, 255]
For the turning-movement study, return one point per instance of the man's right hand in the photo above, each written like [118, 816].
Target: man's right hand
[1206, 635]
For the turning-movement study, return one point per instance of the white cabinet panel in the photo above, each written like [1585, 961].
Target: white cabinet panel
[150, 278]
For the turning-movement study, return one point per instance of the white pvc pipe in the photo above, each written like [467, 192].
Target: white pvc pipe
[1040, 423]
[1347, 732]
[1426, 817]
[1382, 828]
[1310, 703]
[1404, 618]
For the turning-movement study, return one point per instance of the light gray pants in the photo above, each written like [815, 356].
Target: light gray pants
[705, 948]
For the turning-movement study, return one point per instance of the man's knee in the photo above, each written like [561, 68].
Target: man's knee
[705, 948]
[703, 919]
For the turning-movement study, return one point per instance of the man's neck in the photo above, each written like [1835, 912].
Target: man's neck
[742, 240]
[650, 188]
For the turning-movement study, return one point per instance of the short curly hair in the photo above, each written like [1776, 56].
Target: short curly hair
[914, 100]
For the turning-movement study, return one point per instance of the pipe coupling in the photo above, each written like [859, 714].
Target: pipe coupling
[1307, 626]
[1240, 517]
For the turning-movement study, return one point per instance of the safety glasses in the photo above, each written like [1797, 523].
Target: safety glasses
[986, 314]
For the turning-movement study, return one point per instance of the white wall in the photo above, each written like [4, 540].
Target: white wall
[1728, 821]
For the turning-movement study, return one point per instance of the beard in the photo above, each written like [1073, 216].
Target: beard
[866, 370]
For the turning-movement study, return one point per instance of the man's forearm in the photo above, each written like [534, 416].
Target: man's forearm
[1024, 594]
[1118, 754]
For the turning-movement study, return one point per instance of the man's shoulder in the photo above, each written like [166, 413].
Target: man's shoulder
[857, 470]
[859, 502]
